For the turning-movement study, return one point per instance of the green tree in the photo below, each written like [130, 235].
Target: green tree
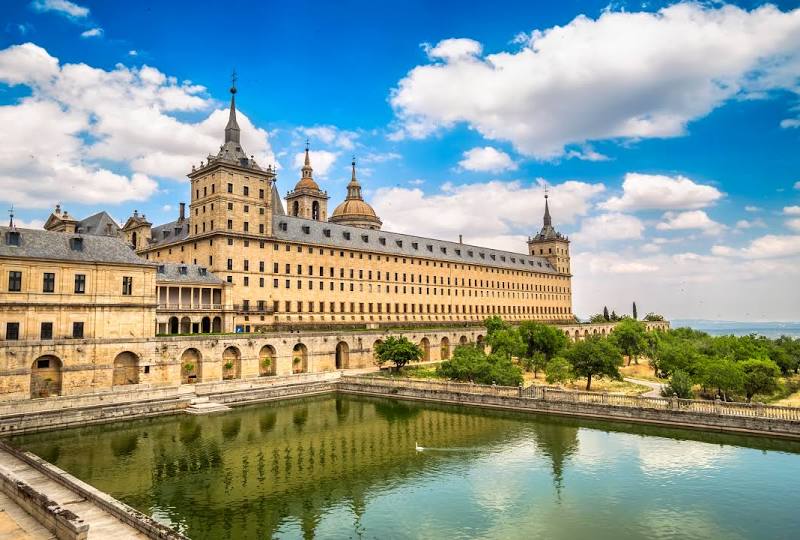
[653, 317]
[629, 337]
[635, 315]
[597, 318]
[786, 353]
[542, 338]
[606, 316]
[723, 374]
[594, 357]
[398, 350]
[473, 365]
[493, 324]
[506, 342]
[558, 371]
[760, 377]
[680, 384]
[535, 363]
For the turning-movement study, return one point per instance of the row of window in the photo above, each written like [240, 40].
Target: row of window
[370, 307]
[49, 283]
[45, 330]
[245, 191]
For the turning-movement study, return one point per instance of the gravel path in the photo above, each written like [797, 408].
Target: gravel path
[655, 387]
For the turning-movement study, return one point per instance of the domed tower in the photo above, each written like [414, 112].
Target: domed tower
[307, 200]
[354, 210]
[551, 244]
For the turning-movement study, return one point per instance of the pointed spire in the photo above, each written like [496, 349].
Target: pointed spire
[354, 188]
[232, 129]
[548, 222]
[308, 161]
[11, 221]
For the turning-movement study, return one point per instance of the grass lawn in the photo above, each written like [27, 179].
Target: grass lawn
[598, 385]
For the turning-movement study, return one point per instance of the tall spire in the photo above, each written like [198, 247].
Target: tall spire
[232, 129]
[308, 161]
[11, 220]
[548, 222]
[354, 188]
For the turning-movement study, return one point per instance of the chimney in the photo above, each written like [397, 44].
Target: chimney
[460, 239]
[182, 212]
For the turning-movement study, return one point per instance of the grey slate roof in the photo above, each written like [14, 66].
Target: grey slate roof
[402, 245]
[98, 224]
[171, 273]
[41, 244]
[170, 232]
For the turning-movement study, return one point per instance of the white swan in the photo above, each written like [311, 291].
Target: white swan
[417, 447]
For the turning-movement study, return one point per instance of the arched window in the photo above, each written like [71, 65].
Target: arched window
[133, 241]
[295, 208]
[315, 210]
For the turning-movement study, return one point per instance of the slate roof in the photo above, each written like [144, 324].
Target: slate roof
[310, 231]
[170, 232]
[98, 224]
[41, 244]
[171, 273]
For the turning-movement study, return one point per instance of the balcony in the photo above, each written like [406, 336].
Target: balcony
[258, 310]
[190, 307]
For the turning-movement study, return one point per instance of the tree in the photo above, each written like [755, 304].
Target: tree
[605, 314]
[628, 336]
[542, 338]
[473, 365]
[653, 317]
[723, 374]
[535, 363]
[760, 377]
[680, 384]
[786, 353]
[594, 357]
[635, 315]
[614, 316]
[597, 318]
[558, 371]
[506, 342]
[400, 351]
[493, 324]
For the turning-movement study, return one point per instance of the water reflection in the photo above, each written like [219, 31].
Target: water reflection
[344, 466]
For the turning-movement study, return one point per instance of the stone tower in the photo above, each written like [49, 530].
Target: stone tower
[231, 193]
[307, 200]
[551, 244]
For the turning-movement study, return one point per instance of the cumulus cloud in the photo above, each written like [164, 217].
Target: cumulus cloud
[793, 224]
[752, 209]
[62, 140]
[497, 214]
[321, 161]
[621, 76]
[92, 32]
[609, 227]
[791, 210]
[749, 224]
[693, 219]
[62, 7]
[330, 135]
[660, 192]
[764, 247]
[487, 159]
[797, 185]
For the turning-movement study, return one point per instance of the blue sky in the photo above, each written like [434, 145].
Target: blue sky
[668, 132]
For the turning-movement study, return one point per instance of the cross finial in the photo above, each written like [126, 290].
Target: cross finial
[307, 142]
[546, 191]
[11, 213]
[234, 78]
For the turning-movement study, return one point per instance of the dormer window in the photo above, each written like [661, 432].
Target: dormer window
[202, 271]
[182, 270]
[492, 256]
[326, 233]
[283, 226]
[76, 244]
[382, 241]
[444, 250]
[415, 245]
[178, 230]
[346, 235]
[458, 252]
[430, 247]
[470, 253]
[306, 229]
[161, 269]
[399, 243]
[513, 259]
[13, 238]
[483, 255]
[165, 234]
[503, 258]
[365, 237]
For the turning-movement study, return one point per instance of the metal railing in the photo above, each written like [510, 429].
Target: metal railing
[554, 394]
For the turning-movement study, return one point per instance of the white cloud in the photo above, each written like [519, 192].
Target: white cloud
[133, 52]
[797, 185]
[378, 157]
[321, 161]
[92, 32]
[487, 159]
[330, 135]
[660, 192]
[791, 210]
[745, 224]
[620, 76]
[789, 123]
[752, 209]
[497, 214]
[693, 219]
[609, 227]
[416, 182]
[31, 224]
[63, 7]
[80, 122]
[764, 247]
[793, 224]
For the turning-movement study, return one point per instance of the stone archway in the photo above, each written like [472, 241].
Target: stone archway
[577, 335]
[174, 325]
[46, 376]
[374, 350]
[126, 369]
[267, 361]
[425, 345]
[191, 366]
[231, 363]
[444, 349]
[342, 355]
[205, 325]
[216, 325]
[186, 325]
[463, 340]
[299, 358]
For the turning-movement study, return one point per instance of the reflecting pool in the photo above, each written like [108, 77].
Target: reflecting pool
[347, 467]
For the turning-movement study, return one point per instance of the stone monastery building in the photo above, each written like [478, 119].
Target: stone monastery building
[237, 260]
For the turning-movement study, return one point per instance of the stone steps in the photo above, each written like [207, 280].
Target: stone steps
[202, 405]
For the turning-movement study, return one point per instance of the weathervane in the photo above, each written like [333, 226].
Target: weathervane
[546, 191]
[233, 81]
[11, 221]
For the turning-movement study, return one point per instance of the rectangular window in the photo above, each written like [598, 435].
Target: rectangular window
[246, 191]
[127, 286]
[80, 283]
[48, 282]
[12, 331]
[47, 330]
[14, 281]
[230, 188]
[77, 330]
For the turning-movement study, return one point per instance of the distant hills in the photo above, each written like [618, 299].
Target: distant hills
[769, 329]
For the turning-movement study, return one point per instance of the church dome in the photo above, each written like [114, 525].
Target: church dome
[354, 207]
[307, 183]
[354, 210]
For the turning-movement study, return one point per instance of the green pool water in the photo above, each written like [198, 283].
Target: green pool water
[347, 467]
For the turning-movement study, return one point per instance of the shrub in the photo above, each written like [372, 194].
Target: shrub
[558, 370]
[471, 364]
[680, 384]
